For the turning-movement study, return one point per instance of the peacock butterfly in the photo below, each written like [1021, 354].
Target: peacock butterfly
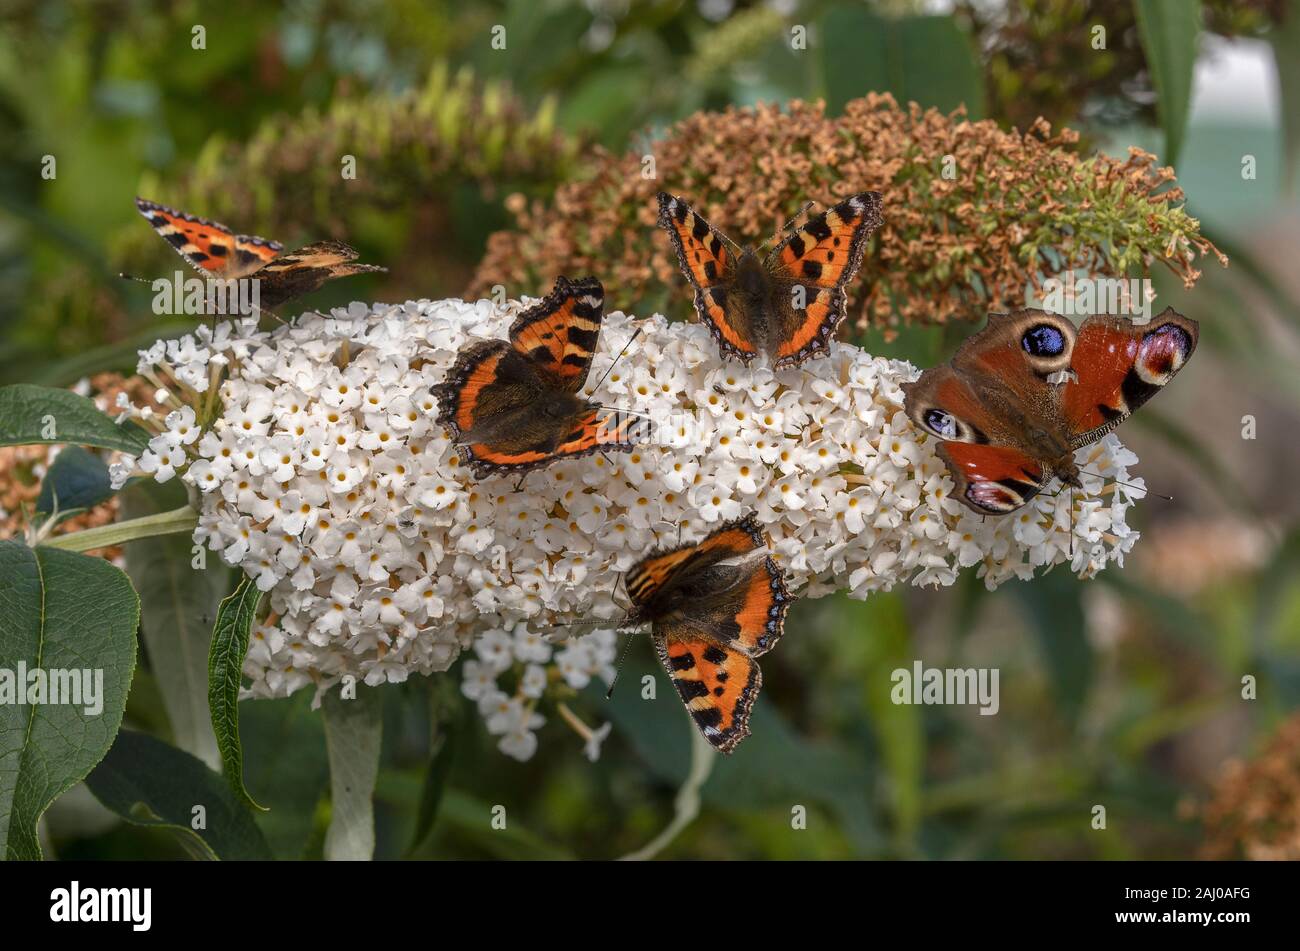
[1019, 397]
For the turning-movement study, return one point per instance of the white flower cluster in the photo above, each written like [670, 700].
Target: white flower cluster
[324, 475]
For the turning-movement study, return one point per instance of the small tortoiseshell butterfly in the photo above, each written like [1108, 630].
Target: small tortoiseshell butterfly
[1007, 430]
[788, 304]
[217, 252]
[713, 608]
[514, 406]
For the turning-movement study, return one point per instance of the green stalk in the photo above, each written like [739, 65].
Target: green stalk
[182, 519]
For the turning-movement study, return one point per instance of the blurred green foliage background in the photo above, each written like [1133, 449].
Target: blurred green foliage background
[1123, 691]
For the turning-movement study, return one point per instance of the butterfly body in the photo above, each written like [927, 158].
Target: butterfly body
[1022, 395]
[514, 405]
[215, 251]
[713, 608]
[786, 305]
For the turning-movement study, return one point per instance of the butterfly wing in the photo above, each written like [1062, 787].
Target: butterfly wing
[994, 472]
[1019, 352]
[659, 571]
[305, 270]
[210, 247]
[528, 441]
[717, 684]
[715, 606]
[810, 269]
[482, 384]
[708, 258]
[491, 403]
[560, 333]
[993, 480]
[1118, 366]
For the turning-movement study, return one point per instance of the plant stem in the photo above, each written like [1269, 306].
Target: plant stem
[687, 805]
[182, 519]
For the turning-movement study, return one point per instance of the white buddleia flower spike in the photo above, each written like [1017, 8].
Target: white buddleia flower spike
[326, 478]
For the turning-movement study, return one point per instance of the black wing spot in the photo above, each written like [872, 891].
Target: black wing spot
[691, 689]
[715, 655]
[708, 718]
[819, 229]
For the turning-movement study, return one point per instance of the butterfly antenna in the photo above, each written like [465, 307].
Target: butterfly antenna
[617, 358]
[1130, 485]
[131, 277]
[625, 412]
[618, 668]
[789, 225]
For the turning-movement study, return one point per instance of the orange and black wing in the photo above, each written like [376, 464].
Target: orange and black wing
[490, 403]
[714, 607]
[472, 391]
[810, 269]
[1119, 365]
[708, 259]
[210, 247]
[733, 539]
[559, 334]
[305, 270]
[718, 685]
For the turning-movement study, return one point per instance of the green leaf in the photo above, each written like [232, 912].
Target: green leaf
[353, 734]
[77, 479]
[286, 768]
[178, 604]
[1054, 604]
[43, 414]
[149, 783]
[225, 661]
[59, 612]
[884, 639]
[1285, 37]
[1168, 30]
[435, 784]
[473, 818]
[924, 59]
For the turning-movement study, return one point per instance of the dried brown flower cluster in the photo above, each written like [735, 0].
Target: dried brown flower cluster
[973, 215]
[21, 468]
[1254, 811]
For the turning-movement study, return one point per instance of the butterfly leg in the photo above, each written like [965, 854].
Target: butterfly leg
[520, 484]
[1071, 521]
[266, 310]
